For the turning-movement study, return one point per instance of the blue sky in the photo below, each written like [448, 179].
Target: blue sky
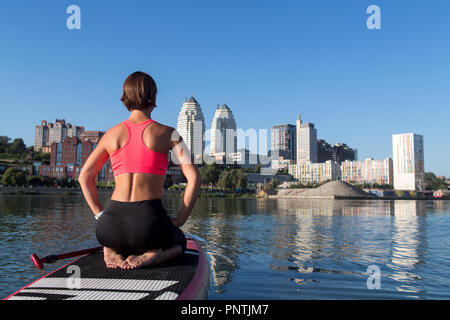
[268, 60]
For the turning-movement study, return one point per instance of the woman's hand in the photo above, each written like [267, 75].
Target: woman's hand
[176, 222]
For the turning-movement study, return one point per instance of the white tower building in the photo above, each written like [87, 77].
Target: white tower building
[191, 126]
[223, 132]
[408, 156]
[298, 125]
[41, 136]
[306, 142]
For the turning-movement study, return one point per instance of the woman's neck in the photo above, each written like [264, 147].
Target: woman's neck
[139, 116]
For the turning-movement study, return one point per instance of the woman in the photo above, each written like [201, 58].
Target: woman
[135, 229]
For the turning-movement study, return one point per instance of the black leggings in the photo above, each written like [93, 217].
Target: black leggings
[136, 227]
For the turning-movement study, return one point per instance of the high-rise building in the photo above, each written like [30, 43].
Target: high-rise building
[338, 153]
[298, 124]
[408, 155]
[367, 171]
[284, 141]
[342, 152]
[324, 151]
[57, 131]
[191, 127]
[41, 135]
[306, 142]
[223, 132]
[45, 133]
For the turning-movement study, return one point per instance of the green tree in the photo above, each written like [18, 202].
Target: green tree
[239, 179]
[4, 142]
[210, 173]
[13, 177]
[434, 183]
[233, 179]
[17, 147]
[38, 156]
[35, 180]
[226, 180]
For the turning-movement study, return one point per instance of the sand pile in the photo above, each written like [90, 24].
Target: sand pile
[330, 190]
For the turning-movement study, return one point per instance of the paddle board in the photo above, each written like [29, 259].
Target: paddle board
[87, 278]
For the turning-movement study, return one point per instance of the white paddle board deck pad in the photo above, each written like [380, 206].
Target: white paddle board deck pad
[87, 278]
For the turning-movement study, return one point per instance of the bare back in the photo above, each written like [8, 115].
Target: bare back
[132, 187]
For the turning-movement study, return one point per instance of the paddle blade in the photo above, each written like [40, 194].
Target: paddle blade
[37, 262]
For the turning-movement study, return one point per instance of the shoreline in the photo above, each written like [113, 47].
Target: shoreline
[353, 198]
[177, 193]
[105, 190]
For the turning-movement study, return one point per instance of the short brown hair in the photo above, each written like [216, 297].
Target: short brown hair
[139, 91]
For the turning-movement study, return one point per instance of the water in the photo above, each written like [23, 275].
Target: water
[263, 248]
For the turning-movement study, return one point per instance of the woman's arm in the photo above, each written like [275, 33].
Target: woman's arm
[88, 185]
[182, 156]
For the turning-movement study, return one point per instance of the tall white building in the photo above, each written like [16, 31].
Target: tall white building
[297, 138]
[223, 132]
[41, 136]
[57, 131]
[306, 142]
[408, 161]
[191, 126]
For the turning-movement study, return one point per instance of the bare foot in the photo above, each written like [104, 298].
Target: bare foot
[112, 259]
[169, 254]
[144, 260]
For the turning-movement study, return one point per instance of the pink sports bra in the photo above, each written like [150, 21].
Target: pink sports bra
[135, 156]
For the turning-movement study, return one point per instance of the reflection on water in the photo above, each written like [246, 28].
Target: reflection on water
[264, 248]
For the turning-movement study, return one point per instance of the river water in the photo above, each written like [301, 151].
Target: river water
[263, 248]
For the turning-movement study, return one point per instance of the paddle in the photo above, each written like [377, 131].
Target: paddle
[39, 263]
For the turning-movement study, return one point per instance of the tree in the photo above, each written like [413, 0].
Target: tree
[17, 146]
[226, 180]
[233, 179]
[210, 173]
[434, 183]
[38, 156]
[35, 181]
[239, 179]
[13, 177]
[4, 142]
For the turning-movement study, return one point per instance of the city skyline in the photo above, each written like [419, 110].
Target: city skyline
[405, 170]
[356, 85]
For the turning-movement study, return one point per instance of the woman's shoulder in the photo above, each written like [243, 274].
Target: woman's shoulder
[162, 128]
[118, 129]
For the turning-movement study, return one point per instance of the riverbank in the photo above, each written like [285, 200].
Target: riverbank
[63, 191]
[107, 191]
[332, 190]
[339, 190]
